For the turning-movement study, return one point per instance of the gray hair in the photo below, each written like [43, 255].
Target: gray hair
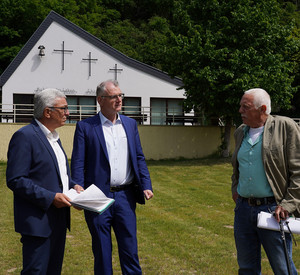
[45, 98]
[261, 97]
[101, 88]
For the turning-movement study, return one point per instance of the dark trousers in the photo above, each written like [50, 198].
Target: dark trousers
[43, 256]
[121, 217]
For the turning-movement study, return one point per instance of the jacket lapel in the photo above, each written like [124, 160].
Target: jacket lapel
[46, 143]
[99, 132]
[67, 164]
[129, 134]
[268, 131]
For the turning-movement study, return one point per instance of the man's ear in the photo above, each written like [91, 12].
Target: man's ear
[99, 100]
[47, 112]
[263, 108]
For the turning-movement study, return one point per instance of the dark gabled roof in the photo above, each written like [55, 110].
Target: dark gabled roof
[53, 16]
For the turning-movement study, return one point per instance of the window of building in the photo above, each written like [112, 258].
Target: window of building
[81, 107]
[166, 111]
[132, 108]
[23, 107]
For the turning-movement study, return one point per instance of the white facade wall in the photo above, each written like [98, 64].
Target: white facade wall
[36, 73]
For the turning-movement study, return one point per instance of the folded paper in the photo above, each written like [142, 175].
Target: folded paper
[267, 221]
[92, 199]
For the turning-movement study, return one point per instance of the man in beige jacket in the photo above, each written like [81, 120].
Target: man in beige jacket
[266, 177]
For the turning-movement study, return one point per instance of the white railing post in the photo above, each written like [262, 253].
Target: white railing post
[145, 116]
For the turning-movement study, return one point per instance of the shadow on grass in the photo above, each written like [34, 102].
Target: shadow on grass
[207, 161]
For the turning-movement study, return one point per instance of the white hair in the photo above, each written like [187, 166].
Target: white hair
[260, 97]
[45, 98]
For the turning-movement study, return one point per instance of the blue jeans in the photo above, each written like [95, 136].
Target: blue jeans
[249, 238]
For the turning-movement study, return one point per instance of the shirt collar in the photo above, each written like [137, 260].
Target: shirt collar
[53, 136]
[246, 129]
[106, 120]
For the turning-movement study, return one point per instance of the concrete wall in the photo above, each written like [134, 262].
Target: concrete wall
[159, 142]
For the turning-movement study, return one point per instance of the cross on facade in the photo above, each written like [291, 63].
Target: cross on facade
[63, 51]
[116, 70]
[90, 59]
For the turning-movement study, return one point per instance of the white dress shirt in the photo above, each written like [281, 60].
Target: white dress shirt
[60, 156]
[117, 150]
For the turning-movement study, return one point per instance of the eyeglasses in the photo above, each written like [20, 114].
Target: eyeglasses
[114, 97]
[65, 109]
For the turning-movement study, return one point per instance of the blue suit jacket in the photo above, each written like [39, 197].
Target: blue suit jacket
[33, 175]
[90, 163]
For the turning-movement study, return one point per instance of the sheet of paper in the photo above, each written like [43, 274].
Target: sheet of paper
[267, 221]
[92, 199]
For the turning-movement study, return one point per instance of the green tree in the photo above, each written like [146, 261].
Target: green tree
[18, 21]
[291, 12]
[140, 10]
[143, 42]
[20, 18]
[222, 48]
[91, 15]
[137, 28]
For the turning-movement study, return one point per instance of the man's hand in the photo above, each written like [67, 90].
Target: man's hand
[61, 200]
[78, 188]
[235, 196]
[148, 194]
[281, 213]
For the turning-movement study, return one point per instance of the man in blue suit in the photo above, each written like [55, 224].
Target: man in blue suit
[107, 152]
[38, 174]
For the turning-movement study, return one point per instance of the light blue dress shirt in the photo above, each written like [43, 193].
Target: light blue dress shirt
[252, 177]
[117, 149]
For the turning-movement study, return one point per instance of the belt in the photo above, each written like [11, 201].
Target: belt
[258, 201]
[120, 187]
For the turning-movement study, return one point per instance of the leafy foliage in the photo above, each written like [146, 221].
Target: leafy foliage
[18, 21]
[221, 49]
[133, 27]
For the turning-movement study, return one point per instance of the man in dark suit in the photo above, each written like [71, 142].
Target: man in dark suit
[38, 174]
[107, 152]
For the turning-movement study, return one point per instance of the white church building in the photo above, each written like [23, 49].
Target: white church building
[62, 55]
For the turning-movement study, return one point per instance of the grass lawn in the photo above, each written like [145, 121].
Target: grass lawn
[187, 228]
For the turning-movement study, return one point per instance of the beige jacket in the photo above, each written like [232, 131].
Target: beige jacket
[281, 159]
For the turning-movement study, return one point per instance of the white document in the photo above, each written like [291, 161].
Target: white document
[267, 221]
[92, 199]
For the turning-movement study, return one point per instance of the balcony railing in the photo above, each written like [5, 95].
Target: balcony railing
[23, 113]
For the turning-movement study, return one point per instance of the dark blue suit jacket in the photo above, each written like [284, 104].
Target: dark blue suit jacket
[33, 175]
[90, 163]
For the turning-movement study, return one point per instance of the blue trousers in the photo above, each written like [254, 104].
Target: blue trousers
[249, 238]
[44, 256]
[121, 217]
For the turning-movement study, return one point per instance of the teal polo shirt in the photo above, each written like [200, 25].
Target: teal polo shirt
[252, 177]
